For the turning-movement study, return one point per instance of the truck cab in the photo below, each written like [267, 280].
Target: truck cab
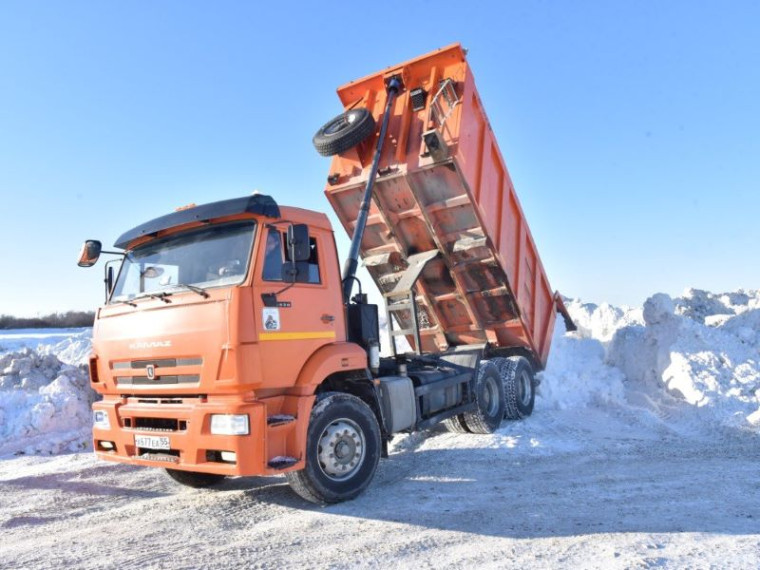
[212, 339]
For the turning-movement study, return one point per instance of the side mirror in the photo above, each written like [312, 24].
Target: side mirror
[298, 242]
[109, 281]
[90, 253]
[110, 277]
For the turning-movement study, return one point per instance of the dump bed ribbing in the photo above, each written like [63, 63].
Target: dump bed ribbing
[444, 200]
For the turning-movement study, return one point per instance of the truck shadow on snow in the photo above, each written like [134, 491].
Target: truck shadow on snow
[99, 481]
[657, 487]
[493, 492]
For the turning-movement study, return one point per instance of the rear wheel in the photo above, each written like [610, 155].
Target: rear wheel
[455, 424]
[519, 386]
[489, 395]
[342, 450]
[194, 479]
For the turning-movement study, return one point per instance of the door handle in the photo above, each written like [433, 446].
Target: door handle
[327, 318]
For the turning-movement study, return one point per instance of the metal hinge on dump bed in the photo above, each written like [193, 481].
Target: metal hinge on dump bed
[402, 298]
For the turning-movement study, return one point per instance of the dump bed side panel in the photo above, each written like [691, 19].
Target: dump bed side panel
[488, 283]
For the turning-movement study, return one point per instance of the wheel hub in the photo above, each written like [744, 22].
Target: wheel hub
[341, 449]
[340, 123]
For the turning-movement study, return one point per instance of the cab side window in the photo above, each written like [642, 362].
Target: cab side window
[275, 255]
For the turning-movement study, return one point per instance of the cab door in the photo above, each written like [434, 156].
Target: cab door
[294, 320]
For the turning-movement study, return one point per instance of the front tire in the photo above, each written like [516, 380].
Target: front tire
[342, 450]
[195, 480]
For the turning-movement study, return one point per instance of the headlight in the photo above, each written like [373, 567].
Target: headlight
[100, 419]
[228, 424]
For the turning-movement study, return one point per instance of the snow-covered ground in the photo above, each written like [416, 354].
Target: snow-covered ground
[643, 451]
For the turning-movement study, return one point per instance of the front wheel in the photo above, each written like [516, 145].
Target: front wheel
[342, 450]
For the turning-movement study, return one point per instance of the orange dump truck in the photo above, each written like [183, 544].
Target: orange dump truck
[231, 343]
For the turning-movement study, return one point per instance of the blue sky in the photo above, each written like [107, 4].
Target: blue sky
[631, 130]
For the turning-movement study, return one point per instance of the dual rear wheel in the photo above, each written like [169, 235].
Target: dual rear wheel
[505, 389]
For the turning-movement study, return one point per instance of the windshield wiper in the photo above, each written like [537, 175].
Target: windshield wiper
[194, 288]
[161, 296]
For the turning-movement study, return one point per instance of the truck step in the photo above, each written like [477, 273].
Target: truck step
[282, 462]
[279, 419]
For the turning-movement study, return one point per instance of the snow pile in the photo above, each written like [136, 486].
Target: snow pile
[74, 349]
[577, 375]
[45, 397]
[703, 306]
[701, 350]
[602, 321]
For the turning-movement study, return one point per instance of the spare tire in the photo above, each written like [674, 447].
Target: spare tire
[344, 132]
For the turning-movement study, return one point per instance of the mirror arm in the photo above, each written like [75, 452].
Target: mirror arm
[284, 289]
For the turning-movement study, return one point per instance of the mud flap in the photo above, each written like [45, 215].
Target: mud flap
[562, 310]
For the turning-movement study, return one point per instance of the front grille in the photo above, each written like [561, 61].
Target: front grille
[158, 380]
[151, 372]
[158, 424]
[157, 362]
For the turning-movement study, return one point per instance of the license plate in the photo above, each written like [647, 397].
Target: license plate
[152, 442]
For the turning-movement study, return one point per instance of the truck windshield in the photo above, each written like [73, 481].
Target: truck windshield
[211, 256]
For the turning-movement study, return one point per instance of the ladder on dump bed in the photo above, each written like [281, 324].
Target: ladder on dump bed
[403, 298]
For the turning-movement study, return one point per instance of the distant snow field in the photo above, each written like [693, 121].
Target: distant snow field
[642, 452]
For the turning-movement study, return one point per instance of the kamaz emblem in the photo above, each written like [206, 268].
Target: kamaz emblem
[142, 344]
[150, 370]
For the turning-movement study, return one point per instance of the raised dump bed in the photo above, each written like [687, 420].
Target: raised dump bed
[443, 200]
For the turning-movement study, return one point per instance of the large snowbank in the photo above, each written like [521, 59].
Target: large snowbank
[700, 351]
[45, 396]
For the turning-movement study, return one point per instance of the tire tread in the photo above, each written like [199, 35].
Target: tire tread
[477, 421]
[356, 132]
[508, 370]
[304, 481]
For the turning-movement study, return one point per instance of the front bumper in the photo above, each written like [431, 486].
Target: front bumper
[187, 424]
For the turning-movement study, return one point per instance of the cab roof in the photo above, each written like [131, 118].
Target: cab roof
[259, 204]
